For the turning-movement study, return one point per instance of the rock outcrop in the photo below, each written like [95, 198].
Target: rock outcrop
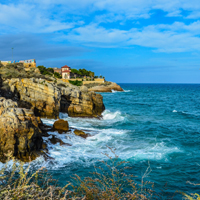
[80, 133]
[19, 131]
[104, 87]
[48, 98]
[61, 126]
[55, 140]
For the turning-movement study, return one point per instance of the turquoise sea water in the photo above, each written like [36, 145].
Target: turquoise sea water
[155, 123]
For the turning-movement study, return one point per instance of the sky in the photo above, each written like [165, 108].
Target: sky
[127, 41]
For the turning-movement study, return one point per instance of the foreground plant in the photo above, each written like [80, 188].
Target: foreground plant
[20, 183]
[109, 182]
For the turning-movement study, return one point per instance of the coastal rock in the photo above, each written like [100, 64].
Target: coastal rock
[104, 87]
[61, 126]
[19, 131]
[80, 133]
[55, 140]
[83, 89]
[48, 98]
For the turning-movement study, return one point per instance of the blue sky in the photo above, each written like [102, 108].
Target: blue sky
[127, 41]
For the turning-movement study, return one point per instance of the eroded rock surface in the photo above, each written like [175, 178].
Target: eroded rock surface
[19, 131]
[80, 133]
[61, 126]
[48, 98]
[106, 87]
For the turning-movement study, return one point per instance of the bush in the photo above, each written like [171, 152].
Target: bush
[57, 75]
[45, 71]
[76, 82]
[16, 70]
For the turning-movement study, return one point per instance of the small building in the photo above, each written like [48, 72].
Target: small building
[58, 70]
[65, 72]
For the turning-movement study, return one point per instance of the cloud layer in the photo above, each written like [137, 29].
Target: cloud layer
[103, 23]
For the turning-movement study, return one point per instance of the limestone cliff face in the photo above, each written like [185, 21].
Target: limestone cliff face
[104, 87]
[48, 98]
[19, 131]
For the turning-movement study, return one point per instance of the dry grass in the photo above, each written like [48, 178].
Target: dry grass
[17, 70]
[109, 182]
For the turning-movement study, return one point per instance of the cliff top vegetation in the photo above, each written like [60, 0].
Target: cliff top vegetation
[16, 70]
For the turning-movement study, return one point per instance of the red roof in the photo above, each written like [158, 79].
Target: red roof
[65, 66]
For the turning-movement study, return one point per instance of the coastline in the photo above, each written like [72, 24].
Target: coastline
[104, 87]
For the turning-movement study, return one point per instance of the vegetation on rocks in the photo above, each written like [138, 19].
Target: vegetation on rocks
[48, 71]
[17, 70]
[76, 82]
[82, 72]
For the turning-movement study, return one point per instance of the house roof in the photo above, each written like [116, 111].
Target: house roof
[66, 67]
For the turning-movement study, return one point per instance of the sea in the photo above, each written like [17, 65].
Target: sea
[154, 128]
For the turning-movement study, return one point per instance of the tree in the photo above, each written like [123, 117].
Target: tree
[50, 70]
[57, 75]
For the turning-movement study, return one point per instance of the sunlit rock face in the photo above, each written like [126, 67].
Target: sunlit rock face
[48, 98]
[19, 131]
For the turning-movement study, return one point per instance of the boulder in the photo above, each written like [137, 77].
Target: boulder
[61, 126]
[19, 132]
[80, 133]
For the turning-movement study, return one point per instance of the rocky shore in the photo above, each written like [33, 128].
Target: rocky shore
[104, 87]
[25, 97]
[20, 134]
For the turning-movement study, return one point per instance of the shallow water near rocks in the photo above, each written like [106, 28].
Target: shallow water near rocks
[155, 123]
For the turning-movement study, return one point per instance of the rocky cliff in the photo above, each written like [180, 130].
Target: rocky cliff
[19, 131]
[27, 94]
[47, 97]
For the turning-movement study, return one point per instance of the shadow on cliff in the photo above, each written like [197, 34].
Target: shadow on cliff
[64, 103]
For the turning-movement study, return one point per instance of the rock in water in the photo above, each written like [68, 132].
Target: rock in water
[55, 140]
[19, 131]
[80, 133]
[61, 126]
[104, 87]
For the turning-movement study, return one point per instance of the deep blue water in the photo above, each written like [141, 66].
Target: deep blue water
[155, 123]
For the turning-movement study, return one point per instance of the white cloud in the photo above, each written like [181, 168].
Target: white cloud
[28, 18]
[162, 38]
[129, 8]
[50, 16]
[194, 15]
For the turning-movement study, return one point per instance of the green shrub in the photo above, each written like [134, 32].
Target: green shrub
[57, 75]
[45, 71]
[76, 82]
